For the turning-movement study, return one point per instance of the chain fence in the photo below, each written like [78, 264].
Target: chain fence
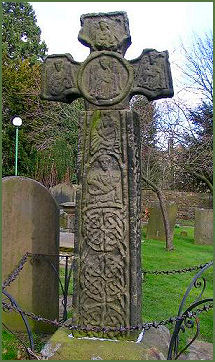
[146, 326]
[188, 314]
[12, 276]
[179, 271]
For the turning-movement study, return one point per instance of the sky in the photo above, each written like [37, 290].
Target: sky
[158, 25]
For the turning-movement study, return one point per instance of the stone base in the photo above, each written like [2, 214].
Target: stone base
[63, 347]
[200, 350]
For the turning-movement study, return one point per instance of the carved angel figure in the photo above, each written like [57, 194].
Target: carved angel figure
[104, 183]
[104, 38]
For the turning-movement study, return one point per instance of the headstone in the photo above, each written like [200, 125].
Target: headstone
[65, 196]
[155, 227]
[107, 284]
[203, 230]
[63, 193]
[30, 224]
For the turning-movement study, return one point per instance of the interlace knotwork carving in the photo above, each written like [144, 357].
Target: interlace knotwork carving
[104, 247]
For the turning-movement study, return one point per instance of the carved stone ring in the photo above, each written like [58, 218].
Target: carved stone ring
[105, 78]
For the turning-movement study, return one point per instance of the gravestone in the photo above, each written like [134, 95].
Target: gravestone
[155, 227]
[65, 196]
[30, 223]
[63, 193]
[203, 228]
[107, 284]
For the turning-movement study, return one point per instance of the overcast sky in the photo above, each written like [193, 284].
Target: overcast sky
[158, 25]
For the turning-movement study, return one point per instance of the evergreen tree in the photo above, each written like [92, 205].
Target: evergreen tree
[20, 33]
[22, 52]
[49, 134]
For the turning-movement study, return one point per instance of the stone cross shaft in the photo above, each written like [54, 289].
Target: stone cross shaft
[107, 281]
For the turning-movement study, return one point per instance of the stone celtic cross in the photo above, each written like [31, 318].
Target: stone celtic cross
[107, 284]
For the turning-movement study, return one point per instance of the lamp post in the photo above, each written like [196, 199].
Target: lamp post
[17, 122]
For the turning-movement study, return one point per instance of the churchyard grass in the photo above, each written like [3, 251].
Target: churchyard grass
[162, 294]
[12, 349]
[9, 346]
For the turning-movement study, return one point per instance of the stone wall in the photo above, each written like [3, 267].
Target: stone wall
[186, 201]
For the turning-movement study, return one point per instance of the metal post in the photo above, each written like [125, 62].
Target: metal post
[65, 294]
[17, 122]
[16, 151]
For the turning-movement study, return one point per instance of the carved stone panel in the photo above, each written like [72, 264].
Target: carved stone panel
[105, 132]
[104, 182]
[152, 75]
[59, 82]
[102, 247]
[105, 31]
[105, 78]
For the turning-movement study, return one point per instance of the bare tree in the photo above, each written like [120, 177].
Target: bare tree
[188, 124]
[197, 69]
[153, 170]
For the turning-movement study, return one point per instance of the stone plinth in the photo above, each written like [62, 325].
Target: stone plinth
[203, 231]
[63, 347]
[69, 210]
[155, 228]
[30, 223]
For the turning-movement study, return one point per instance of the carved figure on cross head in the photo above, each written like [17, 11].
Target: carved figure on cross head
[104, 182]
[103, 82]
[60, 77]
[105, 39]
[157, 79]
[151, 73]
[56, 85]
[145, 71]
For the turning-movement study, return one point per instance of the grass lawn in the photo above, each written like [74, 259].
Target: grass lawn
[10, 346]
[162, 294]
[12, 349]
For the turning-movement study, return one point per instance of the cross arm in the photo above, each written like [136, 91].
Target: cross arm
[152, 75]
[59, 78]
